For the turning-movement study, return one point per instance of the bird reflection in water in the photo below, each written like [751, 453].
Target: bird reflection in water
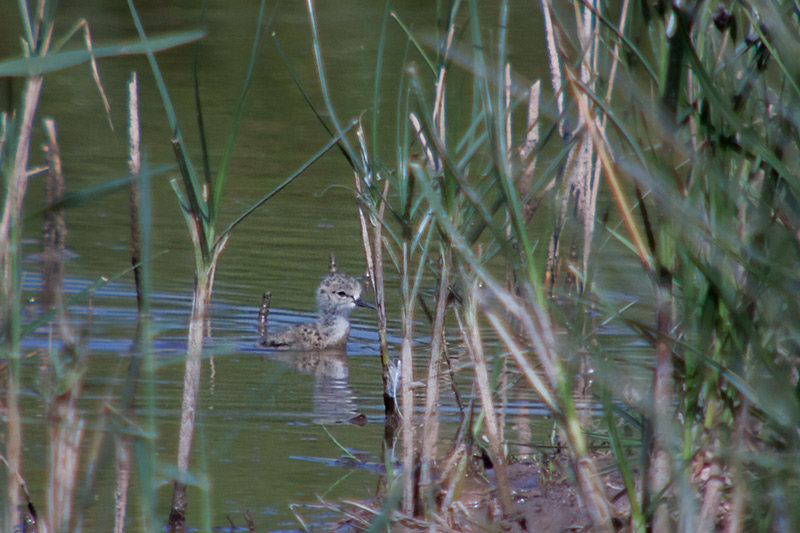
[334, 402]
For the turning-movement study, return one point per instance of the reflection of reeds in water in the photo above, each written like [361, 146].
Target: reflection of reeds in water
[54, 227]
[64, 378]
[65, 436]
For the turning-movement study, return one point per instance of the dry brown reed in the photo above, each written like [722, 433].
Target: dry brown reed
[430, 423]
[204, 281]
[8, 225]
[407, 378]
[371, 220]
[475, 346]
[123, 448]
[135, 196]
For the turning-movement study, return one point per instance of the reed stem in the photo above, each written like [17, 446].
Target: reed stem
[430, 425]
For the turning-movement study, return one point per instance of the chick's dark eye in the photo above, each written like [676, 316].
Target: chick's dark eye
[342, 294]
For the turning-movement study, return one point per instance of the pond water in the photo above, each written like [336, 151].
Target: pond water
[266, 427]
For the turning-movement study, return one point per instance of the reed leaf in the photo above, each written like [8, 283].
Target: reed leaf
[55, 61]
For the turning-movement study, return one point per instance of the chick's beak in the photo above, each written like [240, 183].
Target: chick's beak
[362, 303]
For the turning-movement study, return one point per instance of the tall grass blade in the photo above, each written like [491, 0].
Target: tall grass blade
[216, 195]
[43, 64]
[192, 186]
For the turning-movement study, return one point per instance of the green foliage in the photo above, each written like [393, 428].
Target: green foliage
[692, 111]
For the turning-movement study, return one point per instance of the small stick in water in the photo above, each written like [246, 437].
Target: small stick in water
[263, 314]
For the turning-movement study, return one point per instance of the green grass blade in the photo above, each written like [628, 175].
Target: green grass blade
[748, 139]
[326, 94]
[376, 91]
[199, 106]
[285, 182]
[415, 42]
[89, 194]
[237, 117]
[25, 15]
[193, 190]
[622, 461]
[340, 446]
[30, 66]
[307, 98]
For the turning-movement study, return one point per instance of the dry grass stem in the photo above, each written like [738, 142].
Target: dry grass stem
[430, 426]
[15, 192]
[87, 38]
[433, 160]
[472, 338]
[204, 281]
[407, 394]
[555, 65]
[134, 167]
[440, 103]
[526, 180]
[607, 162]
[123, 464]
[539, 386]
[371, 220]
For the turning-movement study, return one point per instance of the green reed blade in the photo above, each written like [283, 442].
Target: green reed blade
[319, 114]
[339, 445]
[237, 117]
[779, 40]
[194, 192]
[94, 192]
[415, 42]
[29, 66]
[25, 14]
[198, 105]
[333, 142]
[376, 90]
[749, 140]
[622, 461]
[351, 154]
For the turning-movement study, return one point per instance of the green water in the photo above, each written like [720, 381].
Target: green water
[260, 436]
